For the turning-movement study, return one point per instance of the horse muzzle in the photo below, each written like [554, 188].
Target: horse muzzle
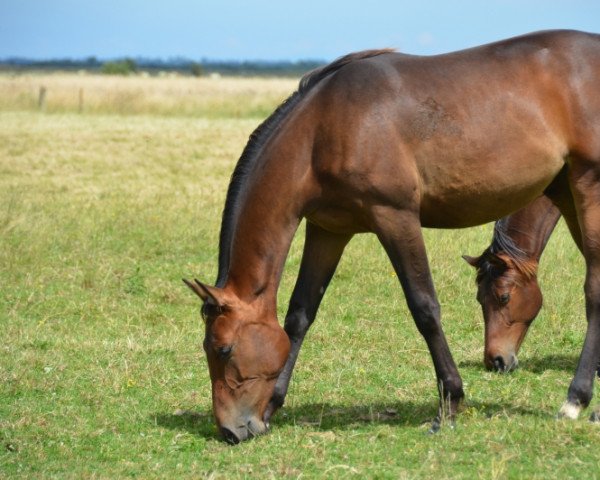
[244, 431]
[502, 363]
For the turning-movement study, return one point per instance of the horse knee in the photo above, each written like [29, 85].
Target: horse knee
[426, 312]
[296, 323]
[592, 286]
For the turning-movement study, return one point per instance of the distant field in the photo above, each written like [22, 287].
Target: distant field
[167, 95]
[102, 374]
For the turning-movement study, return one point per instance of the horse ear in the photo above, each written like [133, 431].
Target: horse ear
[210, 295]
[473, 261]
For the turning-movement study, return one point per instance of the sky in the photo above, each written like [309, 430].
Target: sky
[272, 30]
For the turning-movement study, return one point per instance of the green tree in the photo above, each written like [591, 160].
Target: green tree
[196, 69]
[120, 67]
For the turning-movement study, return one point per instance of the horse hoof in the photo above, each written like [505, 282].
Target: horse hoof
[436, 425]
[595, 416]
[569, 410]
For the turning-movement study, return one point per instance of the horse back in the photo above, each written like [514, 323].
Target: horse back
[451, 134]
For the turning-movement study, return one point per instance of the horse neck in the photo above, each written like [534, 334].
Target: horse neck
[530, 227]
[266, 222]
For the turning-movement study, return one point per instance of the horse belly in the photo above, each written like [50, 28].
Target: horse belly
[458, 192]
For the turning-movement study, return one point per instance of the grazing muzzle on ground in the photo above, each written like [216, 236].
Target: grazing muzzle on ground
[510, 300]
[246, 430]
[246, 349]
[501, 363]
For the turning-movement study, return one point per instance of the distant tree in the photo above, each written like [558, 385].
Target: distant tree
[196, 69]
[131, 65]
[121, 67]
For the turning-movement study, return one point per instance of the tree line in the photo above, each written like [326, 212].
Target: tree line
[128, 66]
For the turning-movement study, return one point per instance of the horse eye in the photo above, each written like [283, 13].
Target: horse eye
[504, 298]
[224, 352]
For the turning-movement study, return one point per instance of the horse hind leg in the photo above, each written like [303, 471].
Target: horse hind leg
[584, 179]
[401, 236]
[321, 255]
[560, 194]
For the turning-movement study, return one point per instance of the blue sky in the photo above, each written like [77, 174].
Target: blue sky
[272, 30]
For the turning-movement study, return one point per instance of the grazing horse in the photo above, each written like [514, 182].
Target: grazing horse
[388, 143]
[507, 286]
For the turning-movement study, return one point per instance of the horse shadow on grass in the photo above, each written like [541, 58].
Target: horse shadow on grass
[328, 416]
[566, 363]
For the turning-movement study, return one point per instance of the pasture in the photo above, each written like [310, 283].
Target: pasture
[102, 374]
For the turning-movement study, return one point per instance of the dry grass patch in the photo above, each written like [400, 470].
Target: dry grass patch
[187, 96]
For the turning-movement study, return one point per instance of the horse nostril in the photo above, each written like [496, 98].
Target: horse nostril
[499, 364]
[229, 436]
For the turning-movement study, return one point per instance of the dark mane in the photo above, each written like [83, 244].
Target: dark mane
[255, 143]
[315, 76]
[502, 243]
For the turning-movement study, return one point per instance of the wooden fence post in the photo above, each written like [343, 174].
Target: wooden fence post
[81, 100]
[42, 98]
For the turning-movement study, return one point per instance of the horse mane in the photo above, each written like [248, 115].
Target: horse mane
[257, 140]
[313, 77]
[503, 244]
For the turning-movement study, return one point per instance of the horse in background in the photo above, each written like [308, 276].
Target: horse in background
[507, 286]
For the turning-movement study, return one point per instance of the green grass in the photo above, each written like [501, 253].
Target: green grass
[101, 369]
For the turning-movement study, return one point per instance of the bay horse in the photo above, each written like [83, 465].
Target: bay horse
[387, 143]
[507, 286]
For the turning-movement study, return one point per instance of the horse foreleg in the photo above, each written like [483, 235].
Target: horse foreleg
[401, 235]
[585, 185]
[321, 255]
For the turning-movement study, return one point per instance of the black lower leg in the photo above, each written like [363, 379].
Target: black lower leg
[402, 238]
[322, 252]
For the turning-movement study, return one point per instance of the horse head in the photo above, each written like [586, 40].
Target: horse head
[510, 299]
[246, 349]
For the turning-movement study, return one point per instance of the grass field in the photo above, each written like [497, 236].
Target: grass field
[102, 374]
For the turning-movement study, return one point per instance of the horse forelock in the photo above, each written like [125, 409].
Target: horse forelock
[488, 269]
[503, 243]
[257, 140]
[504, 248]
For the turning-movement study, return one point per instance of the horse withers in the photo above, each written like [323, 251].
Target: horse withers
[388, 143]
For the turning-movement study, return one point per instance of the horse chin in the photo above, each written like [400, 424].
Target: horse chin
[252, 428]
[502, 365]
